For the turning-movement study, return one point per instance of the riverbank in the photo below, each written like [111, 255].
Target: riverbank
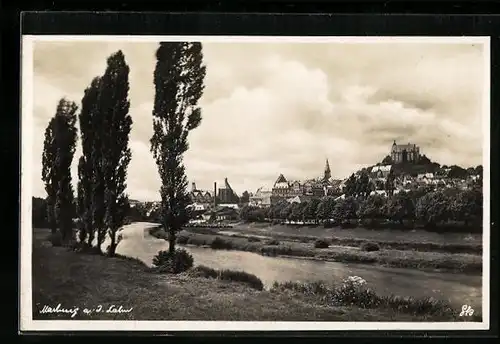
[418, 240]
[427, 261]
[87, 281]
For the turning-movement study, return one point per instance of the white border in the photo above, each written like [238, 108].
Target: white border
[28, 324]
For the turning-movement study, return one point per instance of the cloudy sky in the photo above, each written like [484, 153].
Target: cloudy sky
[271, 108]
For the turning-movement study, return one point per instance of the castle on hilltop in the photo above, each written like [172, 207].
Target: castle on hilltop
[405, 153]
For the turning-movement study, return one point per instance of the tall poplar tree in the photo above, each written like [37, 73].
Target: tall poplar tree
[178, 80]
[49, 175]
[88, 114]
[114, 105]
[59, 150]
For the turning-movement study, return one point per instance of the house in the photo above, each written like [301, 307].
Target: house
[197, 207]
[229, 205]
[296, 199]
[225, 214]
[200, 196]
[340, 197]
[380, 172]
[379, 193]
[261, 198]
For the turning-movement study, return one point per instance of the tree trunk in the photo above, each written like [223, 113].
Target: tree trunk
[91, 235]
[101, 235]
[171, 241]
[112, 247]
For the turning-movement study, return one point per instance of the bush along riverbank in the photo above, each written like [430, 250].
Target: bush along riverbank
[175, 289]
[366, 254]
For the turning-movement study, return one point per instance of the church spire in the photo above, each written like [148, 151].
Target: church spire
[328, 173]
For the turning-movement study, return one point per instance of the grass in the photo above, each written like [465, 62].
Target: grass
[418, 240]
[457, 263]
[365, 298]
[228, 275]
[88, 281]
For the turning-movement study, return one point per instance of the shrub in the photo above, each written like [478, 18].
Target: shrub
[220, 244]
[175, 263]
[353, 291]
[308, 288]
[273, 242]
[55, 239]
[228, 275]
[253, 239]
[370, 246]
[321, 243]
[182, 239]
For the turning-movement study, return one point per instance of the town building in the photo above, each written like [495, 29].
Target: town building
[311, 188]
[226, 194]
[200, 196]
[380, 172]
[261, 198]
[401, 153]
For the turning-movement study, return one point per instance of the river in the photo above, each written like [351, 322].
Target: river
[458, 289]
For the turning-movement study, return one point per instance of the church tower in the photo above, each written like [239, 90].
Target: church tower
[328, 173]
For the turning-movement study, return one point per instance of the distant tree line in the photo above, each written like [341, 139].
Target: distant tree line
[430, 209]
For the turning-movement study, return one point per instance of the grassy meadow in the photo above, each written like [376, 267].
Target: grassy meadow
[61, 276]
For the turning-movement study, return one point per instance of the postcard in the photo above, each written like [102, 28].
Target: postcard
[187, 183]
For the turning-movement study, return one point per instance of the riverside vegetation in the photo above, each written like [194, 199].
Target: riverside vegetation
[203, 293]
[314, 248]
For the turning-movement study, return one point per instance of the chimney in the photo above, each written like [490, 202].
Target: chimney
[215, 194]
[193, 186]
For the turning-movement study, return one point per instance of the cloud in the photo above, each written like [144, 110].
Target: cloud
[284, 108]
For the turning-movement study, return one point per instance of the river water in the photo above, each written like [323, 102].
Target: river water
[458, 289]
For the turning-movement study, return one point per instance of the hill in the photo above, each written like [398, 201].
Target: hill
[426, 165]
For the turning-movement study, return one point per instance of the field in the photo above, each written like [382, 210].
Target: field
[380, 235]
[64, 277]
[345, 246]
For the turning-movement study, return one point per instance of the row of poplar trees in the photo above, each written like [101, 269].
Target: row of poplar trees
[105, 126]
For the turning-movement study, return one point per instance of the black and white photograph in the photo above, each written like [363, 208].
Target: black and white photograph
[255, 183]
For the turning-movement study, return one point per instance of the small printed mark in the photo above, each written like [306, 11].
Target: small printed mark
[467, 311]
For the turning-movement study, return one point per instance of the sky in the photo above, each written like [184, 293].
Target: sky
[271, 108]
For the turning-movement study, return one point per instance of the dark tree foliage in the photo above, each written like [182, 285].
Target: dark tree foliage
[114, 108]
[59, 149]
[245, 197]
[389, 183]
[345, 210]
[467, 206]
[387, 160]
[97, 191]
[432, 208]
[88, 114]
[372, 208]
[178, 80]
[400, 207]
[39, 212]
[310, 209]
[49, 173]
[363, 186]
[324, 210]
[350, 185]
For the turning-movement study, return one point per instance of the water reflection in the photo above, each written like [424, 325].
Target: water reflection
[456, 288]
